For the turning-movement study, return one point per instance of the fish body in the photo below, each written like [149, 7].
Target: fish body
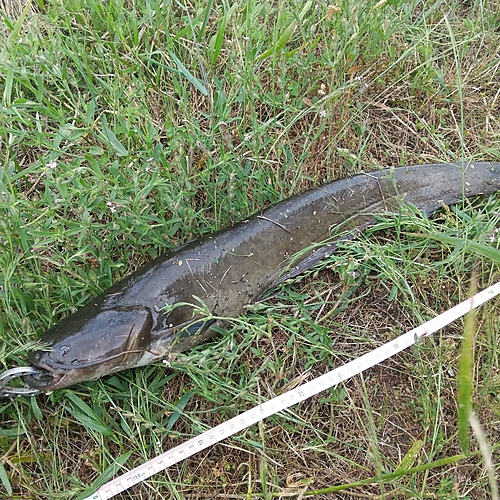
[138, 320]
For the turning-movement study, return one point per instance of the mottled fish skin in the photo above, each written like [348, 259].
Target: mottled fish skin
[127, 326]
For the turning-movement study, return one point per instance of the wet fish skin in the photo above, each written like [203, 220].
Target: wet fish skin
[131, 325]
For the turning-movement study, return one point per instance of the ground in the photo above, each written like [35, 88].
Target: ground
[131, 126]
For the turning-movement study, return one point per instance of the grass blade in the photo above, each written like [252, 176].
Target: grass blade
[482, 249]
[84, 414]
[208, 11]
[178, 410]
[282, 41]
[287, 34]
[109, 138]
[187, 74]
[218, 40]
[4, 478]
[485, 449]
[465, 375]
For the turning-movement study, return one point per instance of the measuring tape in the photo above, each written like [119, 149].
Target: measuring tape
[279, 403]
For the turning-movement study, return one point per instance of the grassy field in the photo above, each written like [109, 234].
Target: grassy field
[130, 126]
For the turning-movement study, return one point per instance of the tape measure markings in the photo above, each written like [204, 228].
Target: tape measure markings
[290, 398]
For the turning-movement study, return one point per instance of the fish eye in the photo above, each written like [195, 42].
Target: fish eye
[64, 351]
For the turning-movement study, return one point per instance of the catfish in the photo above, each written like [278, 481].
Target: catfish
[168, 305]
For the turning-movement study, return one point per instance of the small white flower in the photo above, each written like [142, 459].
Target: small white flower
[247, 137]
[322, 113]
[112, 206]
[52, 165]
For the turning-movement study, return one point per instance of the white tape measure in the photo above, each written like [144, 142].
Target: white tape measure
[279, 403]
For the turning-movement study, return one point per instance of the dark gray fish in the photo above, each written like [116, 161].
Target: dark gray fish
[135, 323]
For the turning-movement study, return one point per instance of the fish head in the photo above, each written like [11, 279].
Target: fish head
[89, 344]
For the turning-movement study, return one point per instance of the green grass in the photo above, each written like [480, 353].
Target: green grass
[128, 127]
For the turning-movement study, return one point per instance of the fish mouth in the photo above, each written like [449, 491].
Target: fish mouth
[53, 375]
[50, 375]
[46, 379]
